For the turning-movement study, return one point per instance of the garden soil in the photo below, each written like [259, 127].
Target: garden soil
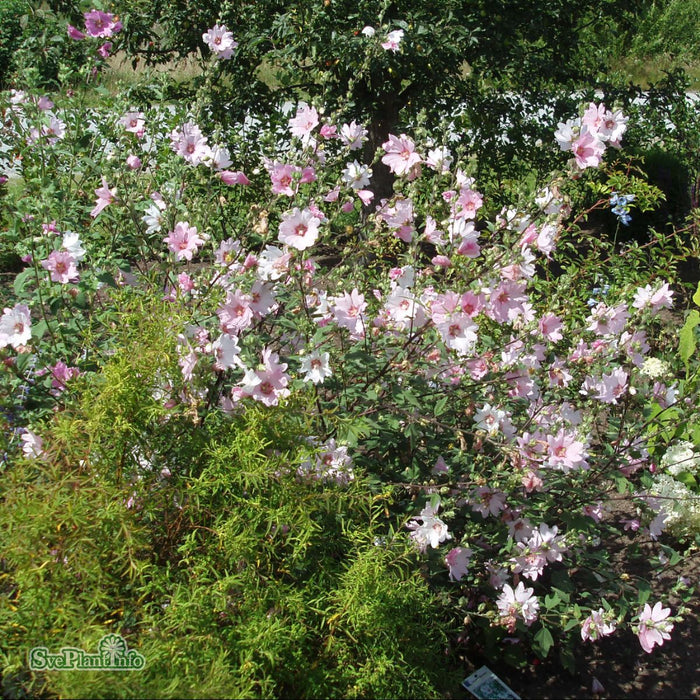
[618, 662]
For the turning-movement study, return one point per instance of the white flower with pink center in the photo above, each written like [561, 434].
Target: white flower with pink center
[431, 531]
[15, 326]
[316, 367]
[401, 157]
[220, 41]
[133, 122]
[299, 228]
[654, 627]
[189, 142]
[517, 604]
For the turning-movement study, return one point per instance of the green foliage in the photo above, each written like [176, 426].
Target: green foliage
[233, 576]
[11, 13]
[42, 52]
[671, 27]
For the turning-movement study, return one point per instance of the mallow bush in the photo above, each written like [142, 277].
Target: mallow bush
[287, 439]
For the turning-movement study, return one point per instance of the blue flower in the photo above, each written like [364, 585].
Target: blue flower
[620, 204]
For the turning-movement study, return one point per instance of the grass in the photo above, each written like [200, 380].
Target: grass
[646, 71]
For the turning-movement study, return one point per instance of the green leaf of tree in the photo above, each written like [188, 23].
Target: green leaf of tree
[686, 346]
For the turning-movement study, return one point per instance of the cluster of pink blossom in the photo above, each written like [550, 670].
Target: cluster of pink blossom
[189, 142]
[587, 137]
[52, 127]
[530, 381]
[98, 25]
[330, 463]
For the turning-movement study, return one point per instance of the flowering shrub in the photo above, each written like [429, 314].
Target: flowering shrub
[457, 361]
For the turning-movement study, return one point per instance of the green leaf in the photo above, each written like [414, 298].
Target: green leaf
[696, 296]
[440, 407]
[39, 329]
[551, 601]
[22, 279]
[544, 641]
[568, 660]
[644, 592]
[687, 479]
[686, 346]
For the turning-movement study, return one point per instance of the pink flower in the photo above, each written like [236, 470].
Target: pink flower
[305, 121]
[236, 314]
[393, 40]
[457, 560]
[282, 176]
[401, 156]
[587, 149]
[596, 626]
[133, 122]
[487, 501]
[134, 162]
[220, 40]
[329, 131]
[656, 300]
[190, 143]
[469, 202]
[299, 229]
[105, 49]
[440, 466]
[185, 282]
[74, 33]
[33, 445]
[654, 628]
[15, 327]
[231, 177]
[550, 327]
[61, 374]
[612, 386]
[431, 531]
[506, 301]
[105, 196]
[273, 380]
[518, 603]
[101, 24]
[183, 240]
[62, 267]
[348, 311]
[565, 452]
[353, 135]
